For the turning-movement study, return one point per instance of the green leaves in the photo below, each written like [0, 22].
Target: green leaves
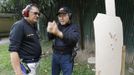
[16, 6]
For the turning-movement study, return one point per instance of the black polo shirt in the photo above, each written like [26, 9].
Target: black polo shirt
[24, 40]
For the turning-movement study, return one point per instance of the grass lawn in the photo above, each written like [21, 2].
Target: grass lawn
[5, 64]
[44, 67]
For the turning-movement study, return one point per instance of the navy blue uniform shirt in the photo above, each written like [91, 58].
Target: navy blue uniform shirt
[71, 35]
[24, 40]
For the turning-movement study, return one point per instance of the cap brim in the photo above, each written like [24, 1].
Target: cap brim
[61, 12]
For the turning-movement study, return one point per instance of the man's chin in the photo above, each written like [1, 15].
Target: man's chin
[62, 23]
[35, 21]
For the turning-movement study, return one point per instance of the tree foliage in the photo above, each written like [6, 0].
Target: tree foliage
[16, 6]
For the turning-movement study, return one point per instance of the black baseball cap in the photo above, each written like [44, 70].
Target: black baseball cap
[64, 10]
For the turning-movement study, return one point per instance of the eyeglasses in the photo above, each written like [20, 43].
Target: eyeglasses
[36, 13]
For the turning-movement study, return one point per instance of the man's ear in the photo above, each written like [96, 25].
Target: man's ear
[70, 15]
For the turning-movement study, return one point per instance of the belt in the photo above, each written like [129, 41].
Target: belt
[62, 52]
[30, 60]
[62, 48]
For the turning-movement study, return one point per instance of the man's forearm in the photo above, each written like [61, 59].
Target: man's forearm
[59, 34]
[15, 61]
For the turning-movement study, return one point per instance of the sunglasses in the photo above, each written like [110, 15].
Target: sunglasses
[36, 13]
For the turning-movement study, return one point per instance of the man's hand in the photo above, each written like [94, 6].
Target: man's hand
[53, 28]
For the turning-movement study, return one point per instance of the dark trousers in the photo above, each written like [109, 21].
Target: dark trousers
[61, 62]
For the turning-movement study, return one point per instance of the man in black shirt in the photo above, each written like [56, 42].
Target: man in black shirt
[65, 36]
[25, 49]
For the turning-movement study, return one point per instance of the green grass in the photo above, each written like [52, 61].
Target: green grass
[45, 66]
[45, 63]
[79, 69]
[82, 69]
[5, 64]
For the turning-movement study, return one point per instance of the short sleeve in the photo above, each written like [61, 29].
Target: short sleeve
[15, 37]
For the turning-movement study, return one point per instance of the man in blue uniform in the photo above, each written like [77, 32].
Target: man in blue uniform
[25, 49]
[65, 36]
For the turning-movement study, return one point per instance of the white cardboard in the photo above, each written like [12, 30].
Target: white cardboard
[108, 44]
[110, 7]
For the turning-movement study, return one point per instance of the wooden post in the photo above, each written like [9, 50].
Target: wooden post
[123, 60]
